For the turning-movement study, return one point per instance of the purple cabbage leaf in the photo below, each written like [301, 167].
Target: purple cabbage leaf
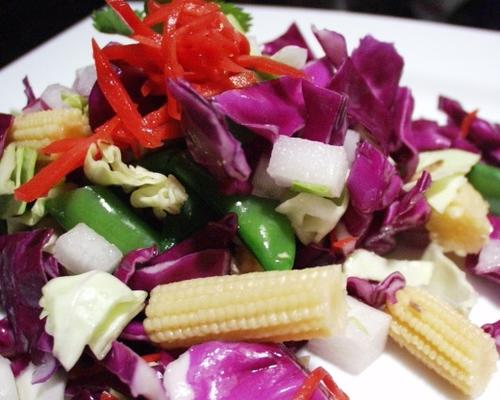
[7, 341]
[244, 371]
[381, 67]
[325, 114]
[373, 182]
[132, 79]
[269, 109]
[33, 103]
[376, 294]
[5, 123]
[22, 276]
[333, 44]
[481, 134]
[494, 331]
[203, 254]
[319, 72]
[24, 270]
[292, 37]
[134, 372]
[487, 262]
[208, 138]
[409, 211]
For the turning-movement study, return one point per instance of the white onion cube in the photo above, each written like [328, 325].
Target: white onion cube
[8, 389]
[52, 389]
[362, 341]
[81, 250]
[296, 161]
[263, 185]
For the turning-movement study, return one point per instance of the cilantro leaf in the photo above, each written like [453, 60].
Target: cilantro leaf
[243, 18]
[107, 21]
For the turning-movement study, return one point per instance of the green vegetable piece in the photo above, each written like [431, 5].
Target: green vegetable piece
[194, 215]
[243, 19]
[486, 180]
[106, 20]
[105, 213]
[3, 227]
[74, 100]
[25, 162]
[318, 190]
[268, 234]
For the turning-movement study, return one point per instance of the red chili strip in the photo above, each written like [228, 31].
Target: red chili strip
[467, 123]
[269, 66]
[313, 382]
[128, 15]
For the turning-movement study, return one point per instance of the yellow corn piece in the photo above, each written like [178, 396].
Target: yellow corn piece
[272, 306]
[443, 339]
[463, 227]
[40, 128]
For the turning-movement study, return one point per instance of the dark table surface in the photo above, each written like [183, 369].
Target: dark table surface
[27, 23]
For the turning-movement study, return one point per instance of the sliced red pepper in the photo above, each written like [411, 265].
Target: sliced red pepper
[343, 243]
[172, 68]
[147, 41]
[312, 383]
[467, 123]
[128, 15]
[136, 55]
[269, 66]
[152, 6]
[120, 100]
[53, 173]
[107, 396]
[151, 358]
[160, 14]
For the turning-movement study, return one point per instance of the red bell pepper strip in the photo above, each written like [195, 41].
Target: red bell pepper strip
[151, 358]
[69, 160]
[269, 66]
[343, 243]
[312, 383]
[137, 55]
[467, 123]
[120, 101]
[154, 44]
[128, 15]
[107, 396]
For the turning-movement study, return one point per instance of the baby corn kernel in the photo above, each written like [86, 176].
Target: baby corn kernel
[443, 339]
[38, 129]
[463, 227]
[272, 306]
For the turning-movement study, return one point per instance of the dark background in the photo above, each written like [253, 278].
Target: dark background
[24, 24]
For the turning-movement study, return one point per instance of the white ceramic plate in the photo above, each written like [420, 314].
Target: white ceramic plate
[462, 63]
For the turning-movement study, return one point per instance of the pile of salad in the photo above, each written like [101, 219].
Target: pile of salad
[197, 207]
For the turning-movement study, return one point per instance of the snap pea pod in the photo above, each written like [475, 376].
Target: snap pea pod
[195, 213]
[193, 216]
[104, 212]
[486, 180]
[267, 233]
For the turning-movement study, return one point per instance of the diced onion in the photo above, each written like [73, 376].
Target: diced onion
[362, 341]
[8, 389]
[81, 250]
[296, 161]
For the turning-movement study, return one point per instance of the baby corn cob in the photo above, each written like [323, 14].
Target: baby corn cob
[38, 129]
[443, 339]
[463, 227]
[272, 306]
